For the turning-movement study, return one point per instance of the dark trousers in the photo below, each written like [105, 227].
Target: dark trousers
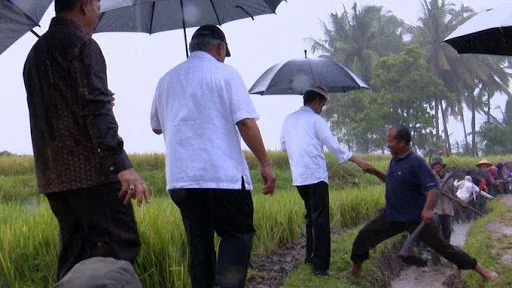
[94, 222]
[318, 231]
[230, 214]
[444, 222]
[379, 229]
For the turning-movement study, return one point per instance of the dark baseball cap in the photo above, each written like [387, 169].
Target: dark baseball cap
[213, 32]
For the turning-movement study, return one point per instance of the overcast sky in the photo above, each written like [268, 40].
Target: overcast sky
[137, 61]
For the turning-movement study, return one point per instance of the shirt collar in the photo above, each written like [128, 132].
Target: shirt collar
[307, 108]
[202, 55]
[403, 156]
[63, 21]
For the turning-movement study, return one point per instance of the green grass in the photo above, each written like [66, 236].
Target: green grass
[29, 231]
[341, 248]
[483, 247]
[29, 235]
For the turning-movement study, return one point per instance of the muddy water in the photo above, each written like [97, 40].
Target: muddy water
[432, 276]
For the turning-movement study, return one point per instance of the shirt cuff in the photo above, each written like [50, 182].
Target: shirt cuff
[244, 115]
[344, 157]
[120, 162]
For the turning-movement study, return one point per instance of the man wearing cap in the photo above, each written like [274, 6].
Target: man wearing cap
[304, 134]
[444, 210]
[200, 106]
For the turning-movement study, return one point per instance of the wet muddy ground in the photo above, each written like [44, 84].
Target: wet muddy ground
[439, 276]
[270, 271]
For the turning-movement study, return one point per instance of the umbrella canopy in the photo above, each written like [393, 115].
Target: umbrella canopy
[17, 17]
[488, 32]
[295, 76]
[152, 16]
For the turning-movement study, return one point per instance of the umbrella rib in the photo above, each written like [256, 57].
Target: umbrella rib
[246, 12]
[35, 33]
[215, 11]
[152, 16]
[270, 6]
[184, 27]
[24, 13]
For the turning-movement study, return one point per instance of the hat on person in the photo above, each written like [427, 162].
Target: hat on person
[483, 162]
[438, 160]
[504, 161]
[318, 89]
[214, 32]
[100, 272]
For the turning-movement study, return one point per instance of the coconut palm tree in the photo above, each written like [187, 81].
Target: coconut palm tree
[358, 39]
[466, 76]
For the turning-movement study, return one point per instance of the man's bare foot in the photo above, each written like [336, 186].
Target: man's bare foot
[487, 274]
[355, 271]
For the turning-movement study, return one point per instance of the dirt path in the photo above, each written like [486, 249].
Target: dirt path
[444, 275]
[270, 271]
[433, 276]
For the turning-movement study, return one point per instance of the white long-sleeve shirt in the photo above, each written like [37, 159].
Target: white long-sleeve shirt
[468, 190]
[303, 136]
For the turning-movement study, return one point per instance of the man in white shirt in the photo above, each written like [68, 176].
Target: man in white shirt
[303, 137]
[198, 107]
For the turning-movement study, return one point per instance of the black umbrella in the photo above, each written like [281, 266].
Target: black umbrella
[295, 76]
[152, 16]
[17, 17]
[488, 32]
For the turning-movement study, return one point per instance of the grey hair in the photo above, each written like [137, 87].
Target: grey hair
[203, 44]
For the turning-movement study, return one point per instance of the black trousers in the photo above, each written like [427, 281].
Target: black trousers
[230, 214]
[379, 229]
[318, 231]
[94, 222]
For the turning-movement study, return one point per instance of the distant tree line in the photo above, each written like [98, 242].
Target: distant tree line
[415, 79]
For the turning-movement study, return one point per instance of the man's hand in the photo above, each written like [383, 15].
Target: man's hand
[427, 215]
[112, 98]
[269, 180]
[132, 187]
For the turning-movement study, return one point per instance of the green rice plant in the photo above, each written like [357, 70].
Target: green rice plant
[29, 235]
[487, 249]
[16, 165]
[18, 188]
[155, 182]
[148, 162]
[28, 245]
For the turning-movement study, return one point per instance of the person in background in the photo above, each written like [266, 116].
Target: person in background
[444, 211]
[304, 135]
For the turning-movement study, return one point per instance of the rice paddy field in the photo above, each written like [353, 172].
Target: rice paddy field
[29, 231]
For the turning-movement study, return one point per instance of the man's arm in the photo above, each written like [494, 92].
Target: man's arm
[376, 172]
[102, 126]
[250, 132]
[428, 211]
[429, 183]
[283, 142]
[154, 118]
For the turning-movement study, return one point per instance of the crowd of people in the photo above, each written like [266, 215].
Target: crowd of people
[201, 107]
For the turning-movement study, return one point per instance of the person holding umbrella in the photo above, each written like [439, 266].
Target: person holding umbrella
[200, 106]
[81, 165]
[304, 134]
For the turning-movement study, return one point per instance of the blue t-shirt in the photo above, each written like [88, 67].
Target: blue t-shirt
[408, 180]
